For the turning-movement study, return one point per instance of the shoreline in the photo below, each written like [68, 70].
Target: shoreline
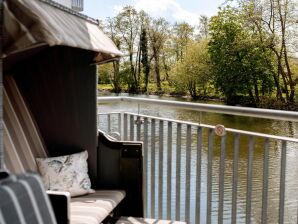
[266, 104]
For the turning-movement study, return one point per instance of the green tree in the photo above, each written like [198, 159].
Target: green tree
[241, 64]
[278, 18]
[144, 48]
[145, 57]
[127, 25]
[193, 73]
[182, 36]
[203, 27]
[158, 35]
[112, 71]
[107, 73]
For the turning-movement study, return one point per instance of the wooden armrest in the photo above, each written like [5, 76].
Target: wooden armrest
[120, 167]
[61, 205]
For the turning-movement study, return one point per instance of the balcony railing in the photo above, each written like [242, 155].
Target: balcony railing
[77, 5]
[205, 174]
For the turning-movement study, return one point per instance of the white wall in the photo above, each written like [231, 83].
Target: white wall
[67, 3]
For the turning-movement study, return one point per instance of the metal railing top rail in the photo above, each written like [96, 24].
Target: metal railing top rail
[232, 130]
[223, 109]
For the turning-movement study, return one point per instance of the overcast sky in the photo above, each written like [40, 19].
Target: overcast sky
[172, 10]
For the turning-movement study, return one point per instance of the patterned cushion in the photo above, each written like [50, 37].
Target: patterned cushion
[66, 173]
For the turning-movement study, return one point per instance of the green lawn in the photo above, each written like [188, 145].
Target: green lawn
[151, 88]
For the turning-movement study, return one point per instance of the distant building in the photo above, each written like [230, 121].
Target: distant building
[77, 5]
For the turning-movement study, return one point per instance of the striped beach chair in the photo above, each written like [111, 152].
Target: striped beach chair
[23, 200]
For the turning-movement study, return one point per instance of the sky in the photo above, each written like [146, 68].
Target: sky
[172, 10]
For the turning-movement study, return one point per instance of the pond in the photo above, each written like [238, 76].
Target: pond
[273, 127]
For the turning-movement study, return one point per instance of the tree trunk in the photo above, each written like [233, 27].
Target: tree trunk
[278, 90]
[132, 87]
[166, 67]
[139, 67]
[194, 90]
[146, 78]
[251, 96]
[116, 79]
[287, 75]
[157, 73]
[137, 70]
[282, 73]
[291, 83]
[257, 97]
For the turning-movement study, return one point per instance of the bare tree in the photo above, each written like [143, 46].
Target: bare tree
[182, 35]
[128, 26]
[203, 27]
[157, 35]
[110, 30]
[276, 21]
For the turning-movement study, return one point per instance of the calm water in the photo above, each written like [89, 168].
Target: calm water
[273, 127]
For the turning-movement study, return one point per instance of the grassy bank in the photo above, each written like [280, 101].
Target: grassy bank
[167, 90]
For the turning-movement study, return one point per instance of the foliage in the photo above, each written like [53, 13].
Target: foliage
[193, 73]
[182, 35]
[240, 62]
[277, 19]
[107, 76]
[203, 27]
[127, 25]
[157, 34]
[250, 57]
[145, 57]
[104, 74]
[113, 75]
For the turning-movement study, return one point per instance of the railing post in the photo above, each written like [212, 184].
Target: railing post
[187, 173]
[139, 128]
[283, 161]
[209, 175]
[249, 179]
[152, 168]
[198, 176]
[235, 177]
[125, 128]
[145, 165]
[221, 179]
[132, 128]
[178, 170]
[120, 125]
[169, 171]
[160, 170]
[265, 181]
[109, 123]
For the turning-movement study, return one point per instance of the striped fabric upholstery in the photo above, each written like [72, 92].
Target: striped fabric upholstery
[133, 220]
[22, 140]
[94, 208]
[24, 201]
[23, 143]
[32, 134]
[35, 23]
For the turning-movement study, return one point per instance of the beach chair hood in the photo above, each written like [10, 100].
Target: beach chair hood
[41, 23]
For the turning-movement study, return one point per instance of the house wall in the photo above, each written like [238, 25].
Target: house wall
[77, 5]
[66, 3]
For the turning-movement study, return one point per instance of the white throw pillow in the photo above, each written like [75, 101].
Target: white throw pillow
[66, 173]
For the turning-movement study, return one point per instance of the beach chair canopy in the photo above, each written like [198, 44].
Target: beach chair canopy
[37, 24]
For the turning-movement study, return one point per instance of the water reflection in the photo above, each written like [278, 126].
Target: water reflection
[267, 126]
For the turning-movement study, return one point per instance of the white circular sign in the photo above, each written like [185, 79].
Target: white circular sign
[220, 130]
